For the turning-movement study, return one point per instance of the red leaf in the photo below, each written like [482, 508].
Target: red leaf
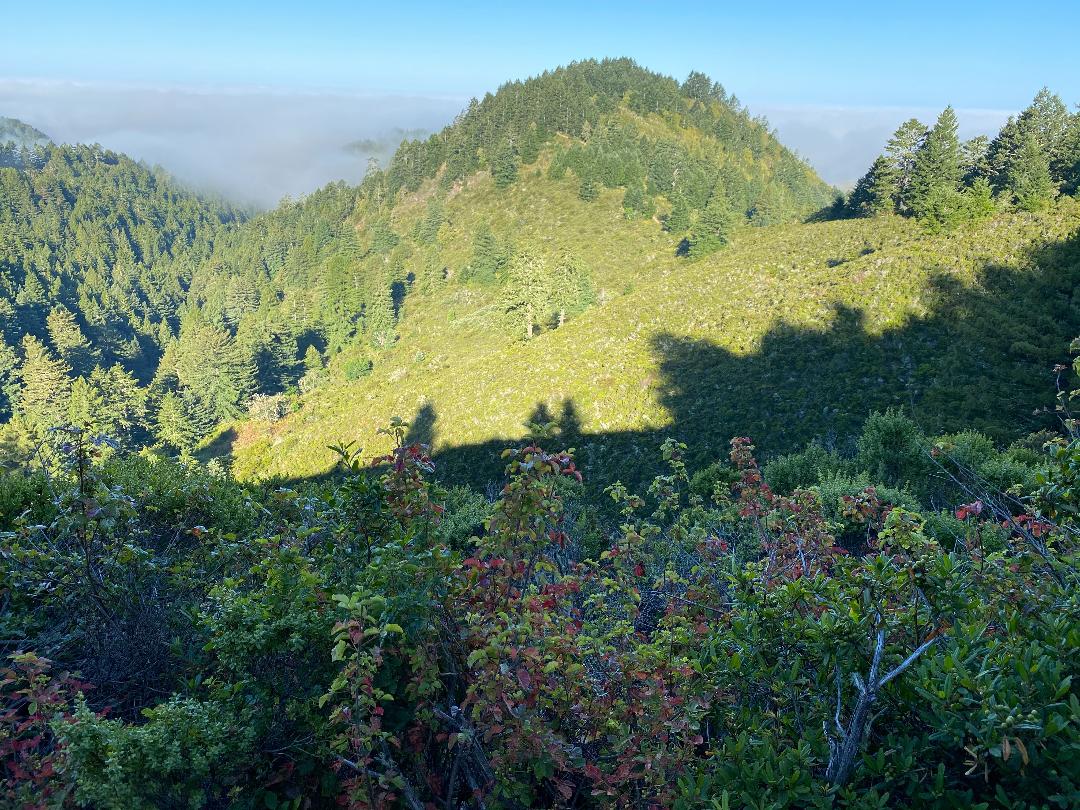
[524, 678]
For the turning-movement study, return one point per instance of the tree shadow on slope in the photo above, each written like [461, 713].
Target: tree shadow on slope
[981, 358]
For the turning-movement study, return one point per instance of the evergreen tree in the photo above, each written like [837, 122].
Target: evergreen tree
[379, 318]
[488, 257]
[1048, 119]
[571, 287]
[713, 228]
[1027, 177]
[588, 190]
[69, 341]
[634, 201]
[44, 385]
[529, 145]
[121, 404]
[679, 219]
[504, 167]
[174, 426]
[974, 159]
[937, 170]
[528, 292]
[215, 369]
[876, 191]
[901, 150]
[9, 366]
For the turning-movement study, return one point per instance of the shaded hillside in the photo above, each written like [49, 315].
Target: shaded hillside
[792, 333]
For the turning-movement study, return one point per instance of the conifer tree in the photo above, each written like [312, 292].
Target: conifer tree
[215, 368]
[174, 426]
[504, 165]
[974, 159]
[487, 257]
[876, 191]
[1048, 119]
[69, 341]
[571, 287]
[901, 150]
[528, 292]
[713, 228]
[44, 385]
[9, 367]
[679, 218]
[1027, 177]
[588, 190]
[936, 170]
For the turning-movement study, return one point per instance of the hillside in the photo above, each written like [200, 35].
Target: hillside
[794, 332]
[96, 252]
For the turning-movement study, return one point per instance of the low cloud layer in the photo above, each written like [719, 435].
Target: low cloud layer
[252, 146]
[841, 142]
[257, 146]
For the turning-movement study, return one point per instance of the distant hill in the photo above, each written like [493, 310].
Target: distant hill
[12, 130]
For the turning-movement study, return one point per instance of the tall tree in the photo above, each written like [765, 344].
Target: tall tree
[215, 368]
[44, 385]
[901, 150]
[876, 191]
[1027, 177]
[504, 164]
[937, 165]
[571, 286]
[69, 341]
[713, 228]
[528, 292]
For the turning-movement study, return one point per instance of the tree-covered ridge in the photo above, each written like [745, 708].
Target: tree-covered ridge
[926, 172]
[628, 128]
[96, 252]
[18, 140]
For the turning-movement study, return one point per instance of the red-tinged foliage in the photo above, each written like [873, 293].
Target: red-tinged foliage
[31, 697]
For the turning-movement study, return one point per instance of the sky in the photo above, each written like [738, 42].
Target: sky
[260, 98]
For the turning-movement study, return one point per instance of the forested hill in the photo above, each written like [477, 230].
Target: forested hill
[637, 253]
[107, 265]
[96, 252]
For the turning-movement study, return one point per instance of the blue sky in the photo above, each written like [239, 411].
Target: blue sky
[833, 77]
[986, 54]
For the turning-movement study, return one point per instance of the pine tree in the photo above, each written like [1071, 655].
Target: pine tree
[487, 257]
[876, 191]
[9, 366]
[69, 341]
[504, 167]
[713, 228]
[634, 203]
[679, 218]
[121, 404]
[215, 368]
[174, 426]
[1048, 119]
[937, 170]
[379, 318]
[44, 385]
[974, 159]
[588, 190]
[1027, 177]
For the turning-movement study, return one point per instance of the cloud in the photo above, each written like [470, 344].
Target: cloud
[842, 142]
[258, 145]
[252, 145]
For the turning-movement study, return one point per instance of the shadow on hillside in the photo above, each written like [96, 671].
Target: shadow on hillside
[980, 358]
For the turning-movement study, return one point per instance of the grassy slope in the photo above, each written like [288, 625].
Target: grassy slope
[790, 333]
